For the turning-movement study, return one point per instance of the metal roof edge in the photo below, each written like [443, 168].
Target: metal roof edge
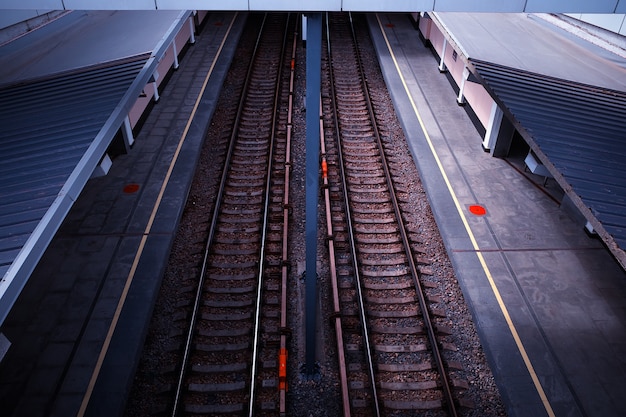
[162, 46]
[73, 71]
[598, 36]
[436, 18]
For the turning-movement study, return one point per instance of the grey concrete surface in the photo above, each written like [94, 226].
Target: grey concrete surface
[563, 291]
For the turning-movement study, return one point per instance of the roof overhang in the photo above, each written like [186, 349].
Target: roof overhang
[575, 128]
[508, 6]
[577, 131]
[51, 156]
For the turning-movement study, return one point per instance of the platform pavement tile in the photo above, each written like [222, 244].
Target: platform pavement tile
[90, 243]
[105, 305]
[66, 405]
[36, 405]
[160, 129]
[569, 346]
[67, 331]
[101, 206]
[146, 156]
[117, 220]
[112, 288]
[505, 357]
[76, 380]
[43, 380]
[166, 115]
[168, 107]
[522, 397]
[176, 97]
[142, 169]
[51, 303]
[124, 255]
[96, 264]
[106, 403]
[85, 289]
[613, 330]
[593, 395]
[92, 223]
[53, 353]
[87, 353]
[98, 328]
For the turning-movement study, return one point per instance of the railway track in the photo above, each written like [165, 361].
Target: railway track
[391, 347]
[230, 334]
[386, 316]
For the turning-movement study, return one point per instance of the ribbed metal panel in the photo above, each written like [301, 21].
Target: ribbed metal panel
[46, 126]
[581, 129]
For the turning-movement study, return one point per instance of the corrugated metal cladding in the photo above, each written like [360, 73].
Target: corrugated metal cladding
[580, 128]
[46, 126]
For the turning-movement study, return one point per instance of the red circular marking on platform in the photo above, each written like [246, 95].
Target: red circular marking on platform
[477, 210]
[218, 23]
[131, 188]
[390, 25]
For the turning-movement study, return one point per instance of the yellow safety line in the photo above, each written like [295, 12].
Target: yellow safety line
[496, 292]
[133, 270]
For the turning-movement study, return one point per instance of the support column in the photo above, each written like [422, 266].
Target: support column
[442, 65]
[153, 79]
[192, 31]
[127, 133]
[313, 89]
[175, 50]
[460, 100]
[491, 135]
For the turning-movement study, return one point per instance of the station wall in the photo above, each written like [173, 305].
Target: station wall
[474, 93]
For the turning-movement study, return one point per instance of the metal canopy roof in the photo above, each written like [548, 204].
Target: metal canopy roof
[55, 128]
[54, 132]
[579, 132]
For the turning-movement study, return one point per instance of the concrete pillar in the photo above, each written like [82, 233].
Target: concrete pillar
[127, 133]
[504, 139]
[491, 136]
[442, 65]
[460, 100]
[192, 31]
[175, 51]
[313, 89]
[499, 134]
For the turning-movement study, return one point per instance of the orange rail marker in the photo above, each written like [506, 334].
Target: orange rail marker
[282, 369]
[324, 169]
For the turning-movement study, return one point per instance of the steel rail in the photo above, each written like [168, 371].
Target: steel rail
[282, 354]
[343, 373]
[362, 314]
[270, 166]
[447, 391]
[212, 230]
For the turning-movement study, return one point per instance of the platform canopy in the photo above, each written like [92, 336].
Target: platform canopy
[510, 6]
[65, 90]
[566, 95]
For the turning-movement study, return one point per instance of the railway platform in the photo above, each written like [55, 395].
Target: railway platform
[548, 301]
[77, 328]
